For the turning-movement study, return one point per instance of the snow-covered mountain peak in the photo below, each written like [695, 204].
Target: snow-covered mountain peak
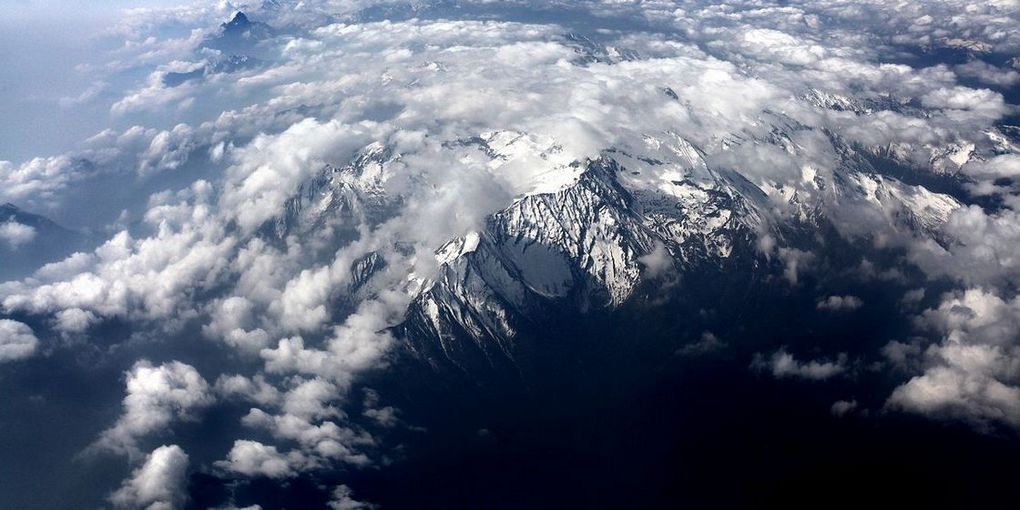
[456, 248]
[528, 164]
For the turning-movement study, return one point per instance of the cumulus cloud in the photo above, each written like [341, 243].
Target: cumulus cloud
[156, 96]
[980, 251]
[843, 408]
[156, 397]
[158, 484]
[50, 182]
[972, 373]
[17, 340]
[39, 178]
[385, 416]
[913, 297]
[269, 171]
[782, 364]
[74, 320]
[1001, 166]
[657, 263]
[343, 499]
[15, 234]
[796, 262]
[354, 346]
[233, 321]
[168, 150]
[252, 458]
[840, 303]
[309, 417]
[708, 343]
[141, 277]
[254, 389]
[902, 354]
[988, 73]
[774, 45]
[963, 102]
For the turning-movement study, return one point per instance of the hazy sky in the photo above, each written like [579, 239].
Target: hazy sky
[46, 47]
[41, 43]
[76, 7]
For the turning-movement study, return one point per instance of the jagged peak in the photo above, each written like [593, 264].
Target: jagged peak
[239, 20]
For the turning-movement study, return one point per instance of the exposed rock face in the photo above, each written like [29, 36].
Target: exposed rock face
[627, 220]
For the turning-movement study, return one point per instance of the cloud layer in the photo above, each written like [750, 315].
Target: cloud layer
[288, 207]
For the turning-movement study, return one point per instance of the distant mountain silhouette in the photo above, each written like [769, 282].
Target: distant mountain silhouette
[239, 36]
[44, 241]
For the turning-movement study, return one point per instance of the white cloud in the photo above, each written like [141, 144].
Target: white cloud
[343, 499]
[159, 484]
[168, 150]
[982, 248]
[707, 344]
[971, 373]
[385, 416]
[1002, 166]
[354, 346]
[74, 264]
[252, 458]
[15, 234]
[796, 262]
[38, 179]
[156, 397]
[842, 408]
[254, 389]
[777, 46]
[913, 297]
[988, 73]
[141, 277]
[840, 303]
[309, 417]
[155, 96]
[74, 320]
[783, 365]
[965, 103]
[233, 321]
[269, 170]
[657, 263]
[17, 340]
[902, 354]
[321, 442]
